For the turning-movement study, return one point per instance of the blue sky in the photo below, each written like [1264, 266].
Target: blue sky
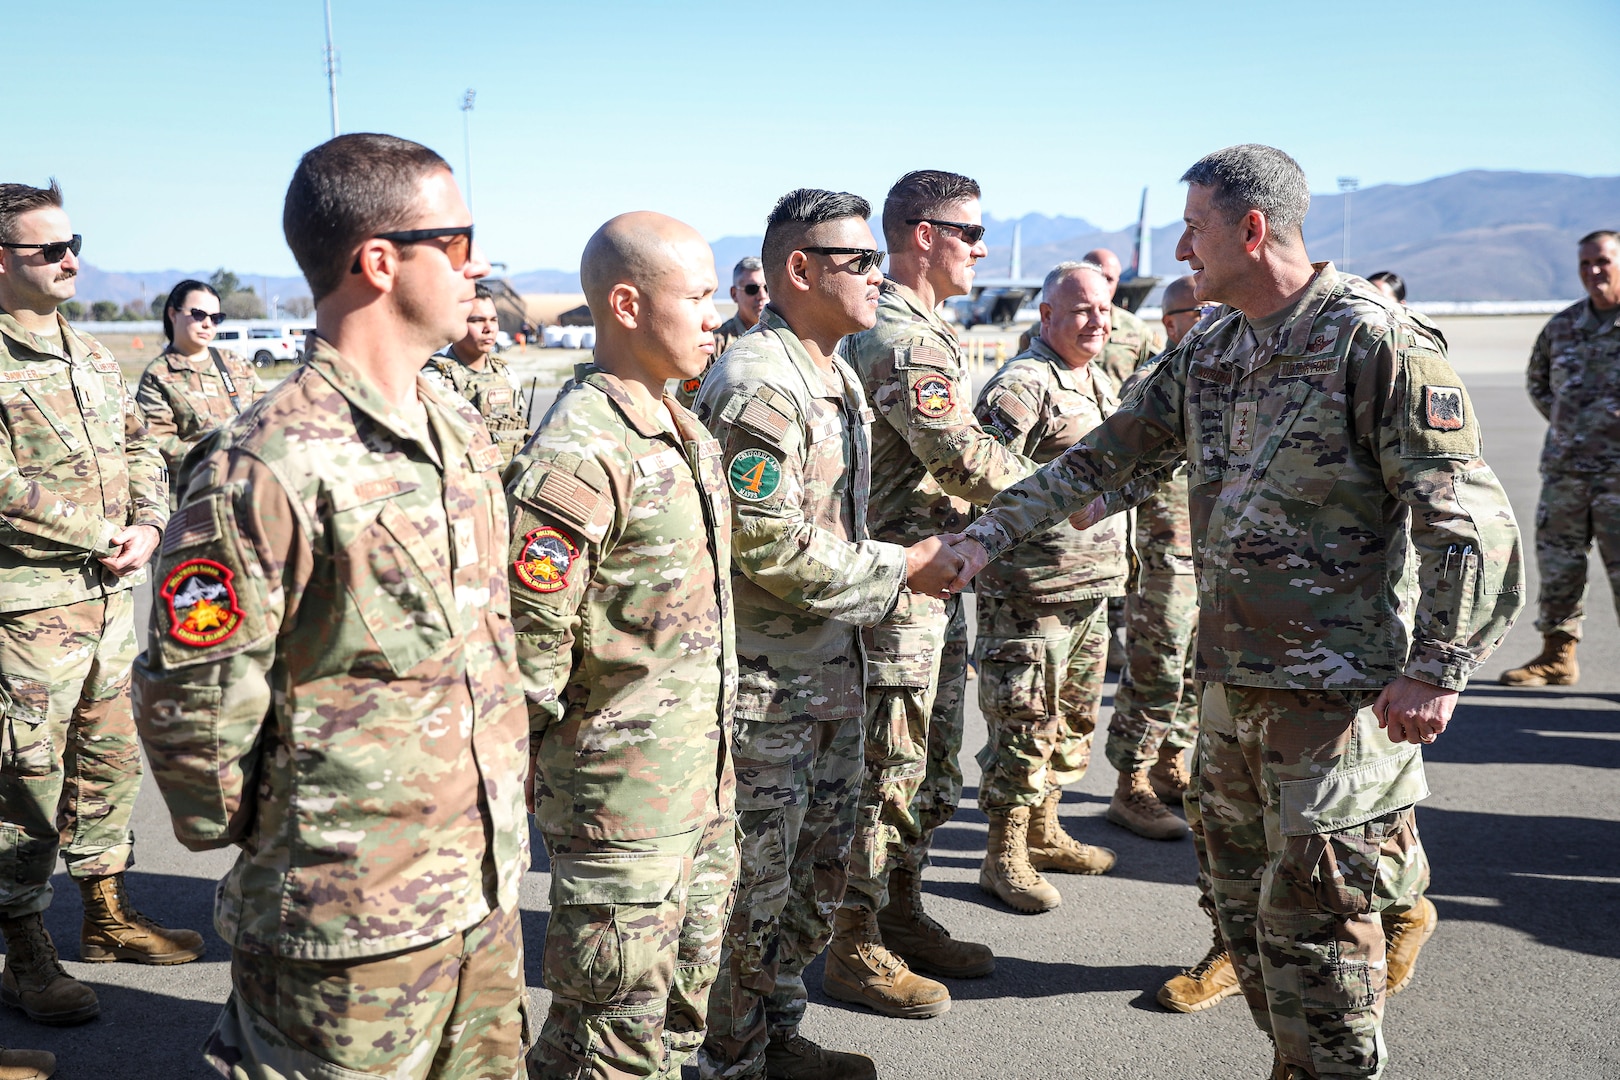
[174, 125]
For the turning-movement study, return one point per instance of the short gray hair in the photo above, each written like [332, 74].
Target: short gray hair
[1063, 270]
[1255, 177]
[745, 265]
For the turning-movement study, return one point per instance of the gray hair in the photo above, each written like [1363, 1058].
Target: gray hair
[1063, 270]
[1255, 177]
[745, 265]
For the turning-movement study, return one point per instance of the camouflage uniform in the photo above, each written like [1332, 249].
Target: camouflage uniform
[184, 398]
[490, 391]
[331, 685]
[1131, 344]
[1042, 607]
[621, 599]
[78, 467]
[930, 461]
[1310, 454]
[797, 455]
[685, 390]
[1575, 383]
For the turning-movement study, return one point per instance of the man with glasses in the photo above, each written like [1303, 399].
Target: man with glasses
[750, 293]
[470, 367]
[794, 432]
[330, 683]
[83, 503]
[930, 462]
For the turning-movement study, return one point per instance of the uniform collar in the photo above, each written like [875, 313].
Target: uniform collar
[203, 363]
[77, 347]
[647, 426]
[913, 303]
[821, 383]
[1294, 335]
[1592, 321]
[1065, 375]
[454, 434]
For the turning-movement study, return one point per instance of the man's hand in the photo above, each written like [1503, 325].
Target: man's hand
[1088, 517]
[932, 565]
[132, 546]
[1413, 711]
[974, 558]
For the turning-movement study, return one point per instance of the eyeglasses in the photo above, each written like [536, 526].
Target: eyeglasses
[197, 314]
[754, 288]
[1181, 311]
[971, 234]
[458, 250]
[867, 261]
[56, 250]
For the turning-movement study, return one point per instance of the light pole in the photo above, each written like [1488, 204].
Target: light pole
[1347, 186]
[466, 137]
[331, 69]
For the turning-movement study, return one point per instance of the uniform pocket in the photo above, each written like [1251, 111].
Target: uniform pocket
[606, 936]
[390, 576]
[28, 749]
[1012, 679]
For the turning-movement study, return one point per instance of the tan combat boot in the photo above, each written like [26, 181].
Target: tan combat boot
[794, 1057]
[114, 930]
[1555, 666]
[26, 1064]
[1050, 848]
[1404, 935]
[1169, 776]
[1136, 807]
[925, 945]
[1209, 982]
[1006, 872]
[34, 980]
[862, 972]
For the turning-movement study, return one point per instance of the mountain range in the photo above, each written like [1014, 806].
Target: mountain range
[1476, 235]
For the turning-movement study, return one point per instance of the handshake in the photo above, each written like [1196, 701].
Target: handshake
[944, 564]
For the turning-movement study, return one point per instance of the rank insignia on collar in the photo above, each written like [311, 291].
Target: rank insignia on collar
[548, 555]
[1443, 407]
[934, 396]
[202, 603]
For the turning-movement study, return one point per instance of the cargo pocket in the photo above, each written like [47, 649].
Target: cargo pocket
[28, 749]
[606, 935]
[1012, 680]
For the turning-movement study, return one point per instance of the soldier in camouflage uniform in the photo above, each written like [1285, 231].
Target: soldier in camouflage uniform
[930, 462]
[794, 429]
[471, 368]
[1316, 699]
[191, 388]
[750, 293]
[83, 503]
[1575, 383]
[331, 683]
[1042, 608]
[621, 600]
[1131, 341]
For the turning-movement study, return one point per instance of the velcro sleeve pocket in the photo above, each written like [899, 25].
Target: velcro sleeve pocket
[575, 491]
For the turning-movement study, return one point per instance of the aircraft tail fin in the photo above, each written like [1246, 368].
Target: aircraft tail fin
[1142, 256]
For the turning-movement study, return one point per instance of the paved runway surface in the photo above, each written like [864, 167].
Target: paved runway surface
[1521, 979]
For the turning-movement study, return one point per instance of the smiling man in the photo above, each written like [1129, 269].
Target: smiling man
[1324, 427]
[330, 683]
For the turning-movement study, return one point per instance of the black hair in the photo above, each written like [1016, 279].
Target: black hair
[1393, 280]
[177, 296]
[799, 211]
[922, 193]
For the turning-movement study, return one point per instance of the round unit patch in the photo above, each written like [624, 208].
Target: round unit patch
[933, 396]
[202, 603]
[548, 554]
[755, 475]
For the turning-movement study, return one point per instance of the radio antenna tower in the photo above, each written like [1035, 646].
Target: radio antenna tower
[331, 69]
[466, 136]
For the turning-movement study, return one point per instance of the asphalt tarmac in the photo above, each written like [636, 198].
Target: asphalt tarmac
[1521, 979]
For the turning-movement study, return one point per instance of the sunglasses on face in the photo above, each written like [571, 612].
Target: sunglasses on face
[867, 259]
[197, 314]
[971, 234]
[458, 250]
[754, 288]
[56, 250]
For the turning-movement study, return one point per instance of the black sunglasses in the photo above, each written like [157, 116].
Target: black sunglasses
[754, 288]
[868, 260]
[56, 250]
[458, 250]
[199, 315]
[971, 234]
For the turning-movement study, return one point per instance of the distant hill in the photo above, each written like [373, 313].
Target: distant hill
[97, 284]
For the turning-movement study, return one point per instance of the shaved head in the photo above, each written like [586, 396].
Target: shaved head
[637, 249]
[1110, 267]
[1179, 294]
[1180, 308]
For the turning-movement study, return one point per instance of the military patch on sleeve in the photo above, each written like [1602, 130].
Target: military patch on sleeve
[548, 555]
[928, 356]
[754, 475]
[190, 525]
[1443, 407]
[202, 603]
[934, 396]
[485, 457]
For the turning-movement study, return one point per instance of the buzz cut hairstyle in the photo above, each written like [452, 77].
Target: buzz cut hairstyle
[483, 292]
[1256, 177]
[346, 191]
[799, 211]
[1063, 270]
[19, 199]
[745, 265]
[922, 193]
[1596, 237]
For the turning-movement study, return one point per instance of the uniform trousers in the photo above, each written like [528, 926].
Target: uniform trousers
[1574, 510]
[1156, 704]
